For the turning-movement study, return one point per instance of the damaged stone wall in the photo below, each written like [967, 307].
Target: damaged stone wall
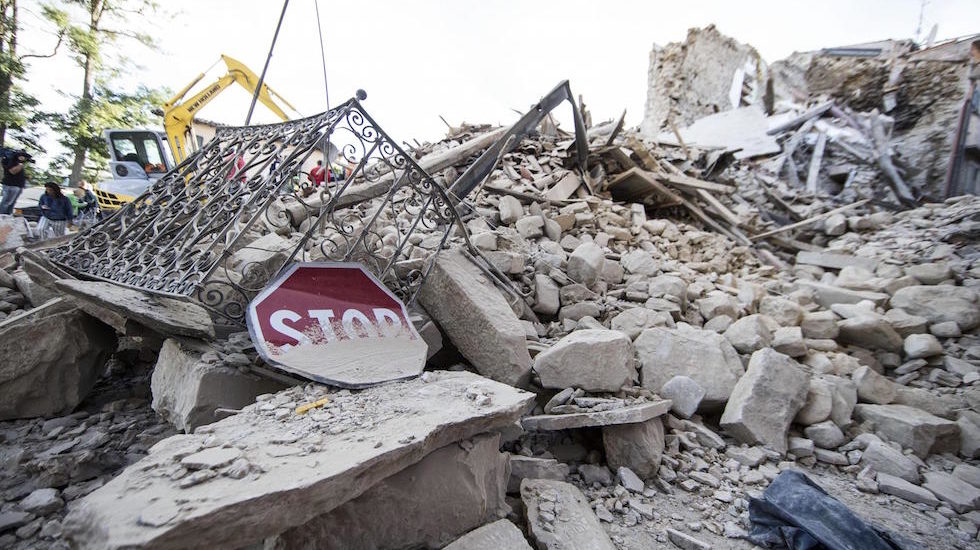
[928, 93]
[694, 78]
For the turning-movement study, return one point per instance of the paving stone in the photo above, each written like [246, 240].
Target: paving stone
[42, 502]
[766, 399]
[625, 415]
[585, 264]
[825, 435]
[896, 486]
[884, 459]
[918, 346]
[685, 395]
[703, 356]
[968, 473]
[526, 467]
[685, 541]
[499, 535]
[574, 526]
[749, 334]
[629, 480]
[637, 446]
[594, 360]
[477, 319]
[941, 303]
[873, 387]
[958, 494]
[911, 428]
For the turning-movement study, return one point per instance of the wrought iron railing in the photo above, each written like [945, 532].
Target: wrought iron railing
[189, 234]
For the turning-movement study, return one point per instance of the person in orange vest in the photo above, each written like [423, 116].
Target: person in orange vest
[317, 174]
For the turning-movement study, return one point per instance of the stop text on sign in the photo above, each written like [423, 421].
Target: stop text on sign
[335, 323]
[330, 327]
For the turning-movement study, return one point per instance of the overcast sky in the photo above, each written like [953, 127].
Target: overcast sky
[470, 60]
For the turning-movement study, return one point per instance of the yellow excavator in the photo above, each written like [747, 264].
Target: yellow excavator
[178, 116]
[137, 157]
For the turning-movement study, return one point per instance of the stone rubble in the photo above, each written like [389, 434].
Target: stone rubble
[678, 362]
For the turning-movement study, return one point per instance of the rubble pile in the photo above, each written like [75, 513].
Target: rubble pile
[622, 357]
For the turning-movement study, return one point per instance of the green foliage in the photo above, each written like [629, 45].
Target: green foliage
[83, 125]
[98, 35]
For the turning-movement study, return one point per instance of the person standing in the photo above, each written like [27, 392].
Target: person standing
[56, 211]
[14, 179]
[317, 174]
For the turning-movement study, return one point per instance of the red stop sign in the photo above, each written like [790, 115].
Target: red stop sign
[335, 323]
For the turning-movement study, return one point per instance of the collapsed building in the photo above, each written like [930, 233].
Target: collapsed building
[633, 336]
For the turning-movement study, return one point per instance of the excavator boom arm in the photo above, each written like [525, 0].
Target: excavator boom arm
[177, 117]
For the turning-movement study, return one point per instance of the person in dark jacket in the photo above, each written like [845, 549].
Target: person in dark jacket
[56, 211]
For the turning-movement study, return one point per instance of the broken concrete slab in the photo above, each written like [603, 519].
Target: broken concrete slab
[318, 461]
[896, 486]
[167, 316]
[527, 467]
[449, 492]
[749, 334]
[958, 494]
[703, 356]
[499, 535]
[869, 332]
[743, 129]
[835, 261]
[941, 303]
[593, 360]
[585, 264]
[477, 319]
[828, 295]
[635, 320]
[873, 387]
[188, 390]
[911, 428]
[624, 415]
[883, 458]
[638, 446]
[560, 518]
[766, 399]
[49, 365]
[685, 395]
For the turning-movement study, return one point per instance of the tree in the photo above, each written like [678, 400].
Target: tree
[103, 24]
[18, 110]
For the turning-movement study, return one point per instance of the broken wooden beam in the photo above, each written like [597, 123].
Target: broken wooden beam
[815, 112]
[815, 160]
[810, 220]
[636, 184]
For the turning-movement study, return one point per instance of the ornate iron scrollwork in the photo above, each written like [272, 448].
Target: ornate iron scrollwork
[192, 233]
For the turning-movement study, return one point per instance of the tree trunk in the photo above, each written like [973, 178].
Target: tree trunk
[79, 151]
[8, 46]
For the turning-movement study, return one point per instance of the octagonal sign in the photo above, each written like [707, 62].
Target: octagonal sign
[337, 324]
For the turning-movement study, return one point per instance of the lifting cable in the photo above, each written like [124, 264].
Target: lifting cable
[258, 89]
[326, 90]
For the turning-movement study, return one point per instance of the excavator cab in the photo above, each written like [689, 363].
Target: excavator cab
[140, 157]
[137, 158]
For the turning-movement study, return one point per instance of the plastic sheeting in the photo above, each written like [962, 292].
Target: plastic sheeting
[796, 513]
